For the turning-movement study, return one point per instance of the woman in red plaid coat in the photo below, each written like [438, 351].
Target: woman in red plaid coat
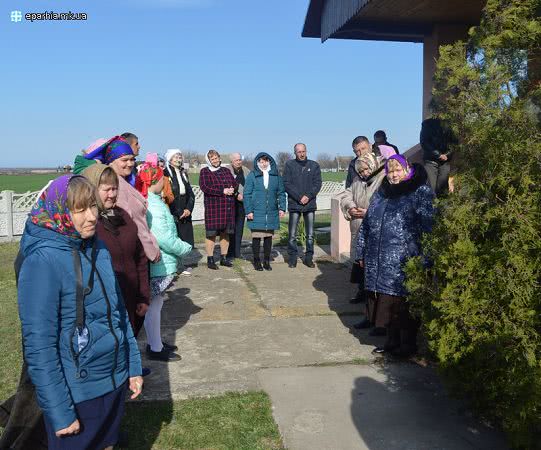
[219, 187]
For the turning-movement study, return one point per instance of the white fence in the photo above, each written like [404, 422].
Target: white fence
[14, 208]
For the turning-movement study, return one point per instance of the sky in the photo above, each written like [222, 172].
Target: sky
[234, 75]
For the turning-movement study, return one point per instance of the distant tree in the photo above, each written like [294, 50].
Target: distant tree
[249, 161]
[281, 159]
[325, 161]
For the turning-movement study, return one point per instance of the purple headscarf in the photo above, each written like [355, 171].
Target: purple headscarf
[114, 148]
[51, 210]
[404, 163]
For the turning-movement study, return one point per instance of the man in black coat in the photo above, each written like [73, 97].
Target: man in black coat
[435, 140]
[302, 181]
[239, 173]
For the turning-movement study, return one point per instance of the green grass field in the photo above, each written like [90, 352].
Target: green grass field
[34, 182]
[229, 422]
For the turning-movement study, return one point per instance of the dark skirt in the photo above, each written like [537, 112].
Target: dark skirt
[185, 231]
[213, 233]
[100, 423]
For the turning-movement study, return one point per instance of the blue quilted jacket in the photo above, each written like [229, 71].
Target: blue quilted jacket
[47, 309]
[391, 232]
[264, 203]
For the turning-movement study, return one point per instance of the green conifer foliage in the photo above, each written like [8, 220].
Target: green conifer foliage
[480, 301]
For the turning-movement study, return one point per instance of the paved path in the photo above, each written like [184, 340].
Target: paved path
[238, 329]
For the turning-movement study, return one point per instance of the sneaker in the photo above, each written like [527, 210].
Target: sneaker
[187, 272]
[164, 355]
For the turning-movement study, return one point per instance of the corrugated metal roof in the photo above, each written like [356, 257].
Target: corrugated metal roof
[337, 13]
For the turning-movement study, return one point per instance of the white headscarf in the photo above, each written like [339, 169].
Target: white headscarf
[265, 174]
[209, 165]
[169, 154]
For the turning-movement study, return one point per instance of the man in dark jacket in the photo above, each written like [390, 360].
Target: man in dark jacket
[302, 181]
[360, 145]
[435, 140]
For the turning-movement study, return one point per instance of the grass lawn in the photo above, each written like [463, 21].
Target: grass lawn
[25, 183]
[229, 422]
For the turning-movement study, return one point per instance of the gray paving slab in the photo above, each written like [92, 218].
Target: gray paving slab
[398, 406]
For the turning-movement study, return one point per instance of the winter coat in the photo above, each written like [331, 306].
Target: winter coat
[129, 262]
[264, 203]
[47, 309]
[219, 208]
[131, 201]
[181, 202]
[245, 172]
[302, 178]
[391, 231]
[358, 195]
[435, 139]
[162, 225]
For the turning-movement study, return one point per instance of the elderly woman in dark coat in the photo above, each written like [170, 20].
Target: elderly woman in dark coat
[219, 186]
[119, 232]
[264, 204]
[399, 213]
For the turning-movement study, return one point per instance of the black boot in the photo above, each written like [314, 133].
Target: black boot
[266, 264]
[225, 262]
[211, 264]
[257, 264]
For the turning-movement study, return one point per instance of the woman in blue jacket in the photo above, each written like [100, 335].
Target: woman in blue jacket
[264, 204]
[77, 340]
[399, 213]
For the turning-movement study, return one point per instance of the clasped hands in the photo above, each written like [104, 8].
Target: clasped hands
[357, 213]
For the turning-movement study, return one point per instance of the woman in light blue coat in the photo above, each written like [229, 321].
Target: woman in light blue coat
[162, 273]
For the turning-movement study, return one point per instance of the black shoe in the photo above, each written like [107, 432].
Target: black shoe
[362, 325]
[266, 265]
[309, 263]
[378, 331]
[211, 264]
[359, 298]
[164, 355]
[257, 265]
[225, 262]
[292, 264]
[166, 346]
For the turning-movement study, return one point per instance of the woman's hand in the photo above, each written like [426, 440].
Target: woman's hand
[229, 191]
[361, 262]
[72, 429]
[250, 216]
[141, 309]
[158, 257]
[281, 214]
[136, 386]
[239, 197]
[185, 213]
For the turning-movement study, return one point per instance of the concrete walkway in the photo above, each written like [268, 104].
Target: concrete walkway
[289, 332]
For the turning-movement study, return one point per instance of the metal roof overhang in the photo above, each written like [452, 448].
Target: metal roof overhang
[386, 20]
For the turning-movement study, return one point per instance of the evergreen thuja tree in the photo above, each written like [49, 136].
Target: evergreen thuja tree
[480, 300]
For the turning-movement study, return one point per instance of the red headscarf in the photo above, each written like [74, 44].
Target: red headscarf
[148, 175]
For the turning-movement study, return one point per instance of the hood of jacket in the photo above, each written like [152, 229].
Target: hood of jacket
[36, 237]
[273, 166]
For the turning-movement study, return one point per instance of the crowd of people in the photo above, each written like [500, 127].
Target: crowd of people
[106, 242]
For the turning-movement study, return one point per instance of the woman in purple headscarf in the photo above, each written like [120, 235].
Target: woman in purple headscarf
[118, 154]
[79, 348]
[399, 213]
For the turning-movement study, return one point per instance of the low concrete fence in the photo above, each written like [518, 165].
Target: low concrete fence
[14, 208]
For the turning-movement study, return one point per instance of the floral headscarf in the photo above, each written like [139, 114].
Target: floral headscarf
[404, 163]
[114, 148]
[51, 210]
[371, 160]
[148, 175]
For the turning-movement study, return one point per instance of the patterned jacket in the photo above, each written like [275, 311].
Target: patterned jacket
[219, 208]
[391, 231]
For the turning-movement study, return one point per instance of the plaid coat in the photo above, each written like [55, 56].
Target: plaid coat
[219, 208]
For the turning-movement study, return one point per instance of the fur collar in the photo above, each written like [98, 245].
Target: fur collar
[405, 187]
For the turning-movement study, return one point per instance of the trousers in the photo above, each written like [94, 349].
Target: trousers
[153, 323]
[308, 218]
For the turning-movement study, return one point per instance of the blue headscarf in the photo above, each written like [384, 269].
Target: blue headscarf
[114, 148]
